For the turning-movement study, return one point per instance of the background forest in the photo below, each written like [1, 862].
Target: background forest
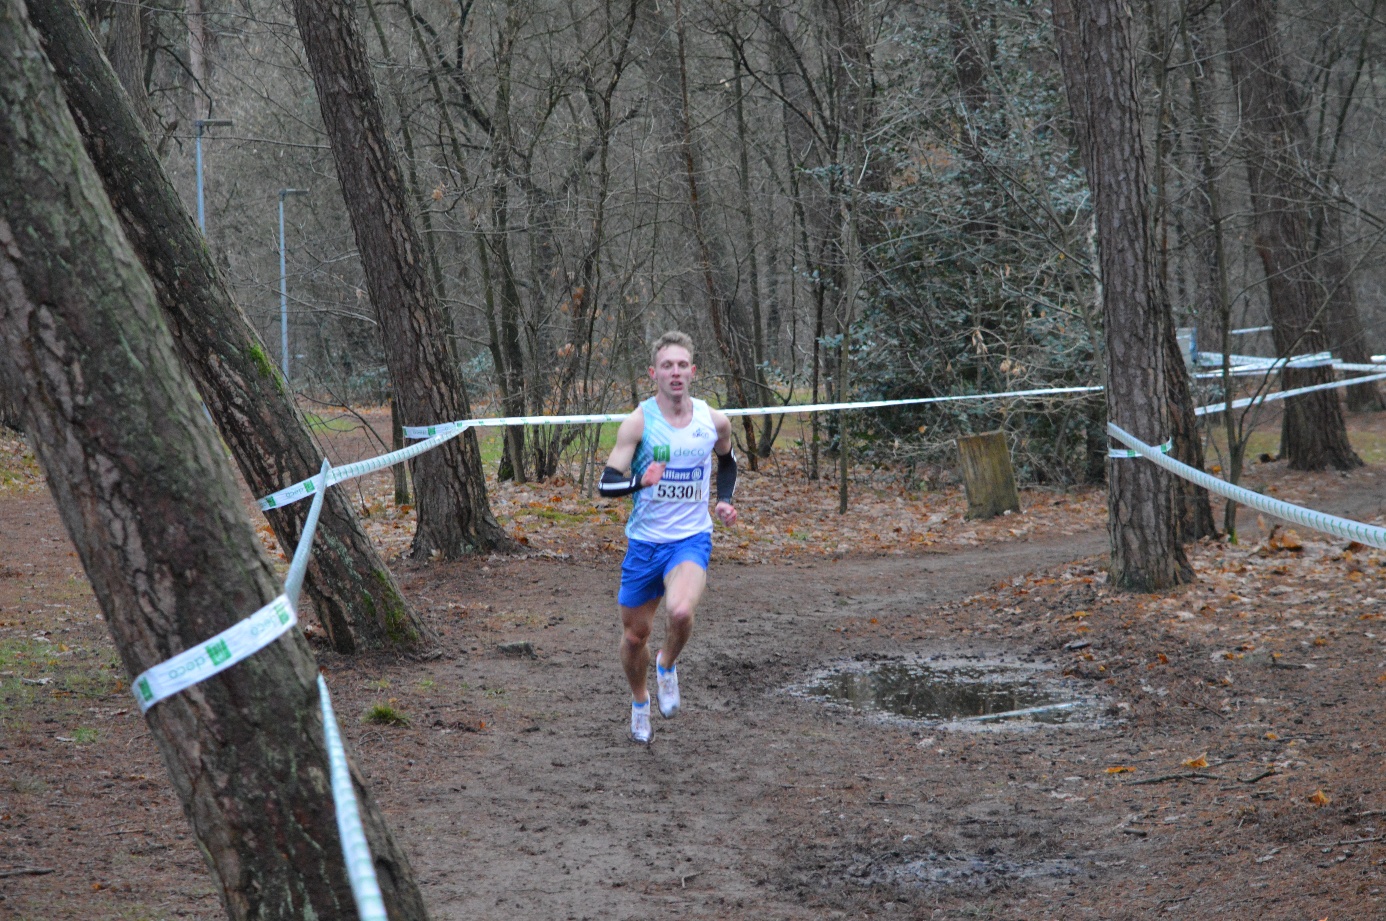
[839, 200]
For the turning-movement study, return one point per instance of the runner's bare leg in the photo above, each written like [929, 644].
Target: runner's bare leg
[682, 590]
[635, 646]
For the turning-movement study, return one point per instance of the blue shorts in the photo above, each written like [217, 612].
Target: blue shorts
[646, 565]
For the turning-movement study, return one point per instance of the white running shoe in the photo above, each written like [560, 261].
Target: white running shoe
[640, 729]
[667, 684]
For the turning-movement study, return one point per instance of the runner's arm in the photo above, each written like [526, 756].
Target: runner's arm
[726, 469]
[617, 479]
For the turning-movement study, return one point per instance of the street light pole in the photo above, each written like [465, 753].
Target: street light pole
[199, 125]
[284, 285]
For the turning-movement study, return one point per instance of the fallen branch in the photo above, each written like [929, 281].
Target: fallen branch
[1187, 775]
[1205, 707]
[1269, 772]
[26, 871]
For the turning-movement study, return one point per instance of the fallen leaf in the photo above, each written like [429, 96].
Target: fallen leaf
[1200, 762]
[1121, 770]
[1320, 798]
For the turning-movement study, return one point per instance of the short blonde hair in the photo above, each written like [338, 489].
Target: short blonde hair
[672, 337]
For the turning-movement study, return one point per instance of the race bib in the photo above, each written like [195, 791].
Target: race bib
[680, 484]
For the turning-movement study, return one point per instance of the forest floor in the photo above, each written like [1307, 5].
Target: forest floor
[1229, 764]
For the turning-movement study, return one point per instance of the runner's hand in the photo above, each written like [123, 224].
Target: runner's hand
[726, 513]
[652, 473]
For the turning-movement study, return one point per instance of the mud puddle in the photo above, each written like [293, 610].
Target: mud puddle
[961, 693]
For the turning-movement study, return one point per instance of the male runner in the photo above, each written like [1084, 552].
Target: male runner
[663, 455]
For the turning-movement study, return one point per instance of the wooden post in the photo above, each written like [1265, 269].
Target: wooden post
[986, 469]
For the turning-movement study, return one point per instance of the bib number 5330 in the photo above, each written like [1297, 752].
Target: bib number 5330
[680, 485]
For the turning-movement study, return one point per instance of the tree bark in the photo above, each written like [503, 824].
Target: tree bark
[351, 589]
[1314, 433]
[454, 518]
[145, 492]
[1095, 51]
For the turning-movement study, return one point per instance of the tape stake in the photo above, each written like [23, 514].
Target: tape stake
[216, 655]
[356, 852]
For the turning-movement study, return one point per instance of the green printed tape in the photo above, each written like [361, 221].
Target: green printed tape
[303, 489]
[219, 653]
[1127, 452]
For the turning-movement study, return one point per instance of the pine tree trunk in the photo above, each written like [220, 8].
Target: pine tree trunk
[351, 589]
[1314, 433]
[1099, 73]
[454, 518]
[148, 499]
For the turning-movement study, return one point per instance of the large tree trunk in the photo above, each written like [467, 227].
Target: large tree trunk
[1314, 434]
[454, 518]
[1346, 334]
[146, 494]
[350, 587]
[1099, 73]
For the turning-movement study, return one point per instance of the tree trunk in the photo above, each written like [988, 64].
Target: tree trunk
[351, 589]
[1314, 433]
[1346, 335]
[454, 518]
[124, 31]
[150, 503]
[1099, 74]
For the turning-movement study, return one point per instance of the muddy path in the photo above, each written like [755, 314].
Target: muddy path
[1231, 770]
[552, 813]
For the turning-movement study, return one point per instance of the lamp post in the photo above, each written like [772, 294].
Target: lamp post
[284, 285]
[201, 124]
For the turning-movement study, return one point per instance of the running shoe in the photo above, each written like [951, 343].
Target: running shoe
[667, 684]
[640, 729]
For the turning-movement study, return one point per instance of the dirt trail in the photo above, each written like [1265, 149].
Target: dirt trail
[517, 795]
[554, 814]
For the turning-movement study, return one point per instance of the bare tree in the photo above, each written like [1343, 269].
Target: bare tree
[352, 590]
[454, 517]
[1095, 50]
[145, 492]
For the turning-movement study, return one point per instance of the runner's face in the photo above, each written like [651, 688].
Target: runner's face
[673, 371]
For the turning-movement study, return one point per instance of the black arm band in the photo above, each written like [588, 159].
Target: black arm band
[615, 484]
[726, 476]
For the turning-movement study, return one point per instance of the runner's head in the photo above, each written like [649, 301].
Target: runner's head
[673, 368]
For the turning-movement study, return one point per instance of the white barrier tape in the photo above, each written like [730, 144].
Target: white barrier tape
[1121, 453]
[1308, 360]
[1234, 371]
[216, 655]
[425, 431]
[421, 431]
[1348, 366]
[1250, 329]
[365, 888]
[291, 494]
[1371, 535]
[1285, 394]
[298, 567]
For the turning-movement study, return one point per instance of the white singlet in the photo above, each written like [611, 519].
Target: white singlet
[676, 506]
